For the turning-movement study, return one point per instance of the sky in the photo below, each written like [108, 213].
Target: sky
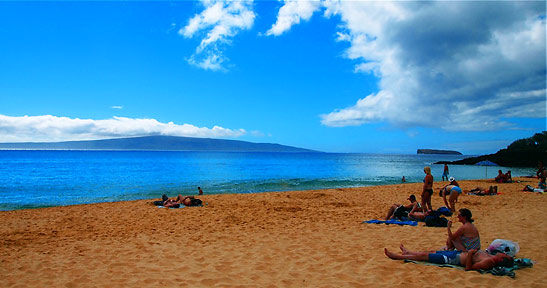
[332, 76]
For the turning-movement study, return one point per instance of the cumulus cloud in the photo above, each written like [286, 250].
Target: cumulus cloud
[218, 23]
[291, 13]
[50, 128]
[453, 65]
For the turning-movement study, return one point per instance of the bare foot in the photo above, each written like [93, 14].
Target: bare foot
[389, 254]
[403, 249]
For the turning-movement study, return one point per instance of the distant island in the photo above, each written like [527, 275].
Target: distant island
[157, 143]
[433, 151]
[521, 153]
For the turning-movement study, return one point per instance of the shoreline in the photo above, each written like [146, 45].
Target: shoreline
[311, 238]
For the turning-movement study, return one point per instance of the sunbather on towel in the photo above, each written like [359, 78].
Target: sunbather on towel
[493, 190]
[184, 200]
[466, 237]
[471, 260]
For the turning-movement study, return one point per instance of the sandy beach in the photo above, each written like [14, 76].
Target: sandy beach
[286, 239]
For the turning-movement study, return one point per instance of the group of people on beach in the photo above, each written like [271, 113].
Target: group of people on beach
[463, 246]
[504, 178]
[180, 200]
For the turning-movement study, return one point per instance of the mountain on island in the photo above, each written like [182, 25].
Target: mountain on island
[158, 143]
[433, 151]
[521, 153]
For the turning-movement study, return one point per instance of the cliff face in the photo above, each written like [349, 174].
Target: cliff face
[433, 151]
[521, 153]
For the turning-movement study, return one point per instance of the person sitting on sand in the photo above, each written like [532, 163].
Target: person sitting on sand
[542, 179]
[471, 260]
[404, 208]
[466, 237]
[493, 190]
[500, 177]
[453, 192]
[507, 177]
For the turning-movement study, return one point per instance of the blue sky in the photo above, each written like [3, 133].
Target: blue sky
[334, 76]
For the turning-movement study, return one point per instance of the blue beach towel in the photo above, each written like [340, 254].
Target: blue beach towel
[398, 222]
[497, 271]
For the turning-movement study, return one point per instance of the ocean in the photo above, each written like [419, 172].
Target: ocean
[32, 179]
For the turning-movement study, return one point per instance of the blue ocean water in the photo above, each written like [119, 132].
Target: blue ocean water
[31, 179]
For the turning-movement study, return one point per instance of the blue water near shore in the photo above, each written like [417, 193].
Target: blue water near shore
[32, 179]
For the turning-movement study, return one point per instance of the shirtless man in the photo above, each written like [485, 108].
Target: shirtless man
[471, 260]
[413, 206]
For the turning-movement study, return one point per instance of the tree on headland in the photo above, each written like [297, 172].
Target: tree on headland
[521, 153]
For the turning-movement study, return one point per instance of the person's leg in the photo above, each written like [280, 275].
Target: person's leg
[429, 206]
[455, 244]
[418, 256]
[391, 210]
[452, 201]
[405, 251]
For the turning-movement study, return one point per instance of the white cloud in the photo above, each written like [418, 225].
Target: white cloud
[222, 20]
[456, 65]
[50, 128]
[291, 13]
[117, 107]
[459, 66]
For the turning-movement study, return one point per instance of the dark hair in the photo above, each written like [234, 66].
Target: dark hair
[412, 197]
[506, 262]
[467, 214]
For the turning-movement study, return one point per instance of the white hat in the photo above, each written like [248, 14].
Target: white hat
[451, 179]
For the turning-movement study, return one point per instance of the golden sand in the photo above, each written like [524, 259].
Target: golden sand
[287, 239]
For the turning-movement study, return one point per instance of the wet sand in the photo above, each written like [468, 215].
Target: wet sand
[287, 239]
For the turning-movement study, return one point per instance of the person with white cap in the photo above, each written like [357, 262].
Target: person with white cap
[452, 190]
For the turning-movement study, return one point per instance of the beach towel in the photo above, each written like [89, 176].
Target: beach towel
[398, 222]
[497, 271]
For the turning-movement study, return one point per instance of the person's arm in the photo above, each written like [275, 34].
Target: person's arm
[444, 199]
[414, 207]
[456, 234]
[469, 260]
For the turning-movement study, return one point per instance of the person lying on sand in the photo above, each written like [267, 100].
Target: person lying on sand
[184, 200]
[471, 260]
[403, 209]
[466, 237]
[493, 190]
[418, 215]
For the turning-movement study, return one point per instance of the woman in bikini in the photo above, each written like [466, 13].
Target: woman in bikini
[427, 190]
[465, 238]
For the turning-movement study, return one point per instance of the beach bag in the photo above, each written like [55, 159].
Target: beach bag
[433, 221]
[445, 211]
[196, 202]
[503, 246]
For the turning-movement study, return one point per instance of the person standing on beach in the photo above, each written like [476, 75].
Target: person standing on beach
[445, 172]
[200, 192]
[427, 189]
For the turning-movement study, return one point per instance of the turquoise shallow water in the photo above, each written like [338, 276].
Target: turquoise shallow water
[31, 179]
